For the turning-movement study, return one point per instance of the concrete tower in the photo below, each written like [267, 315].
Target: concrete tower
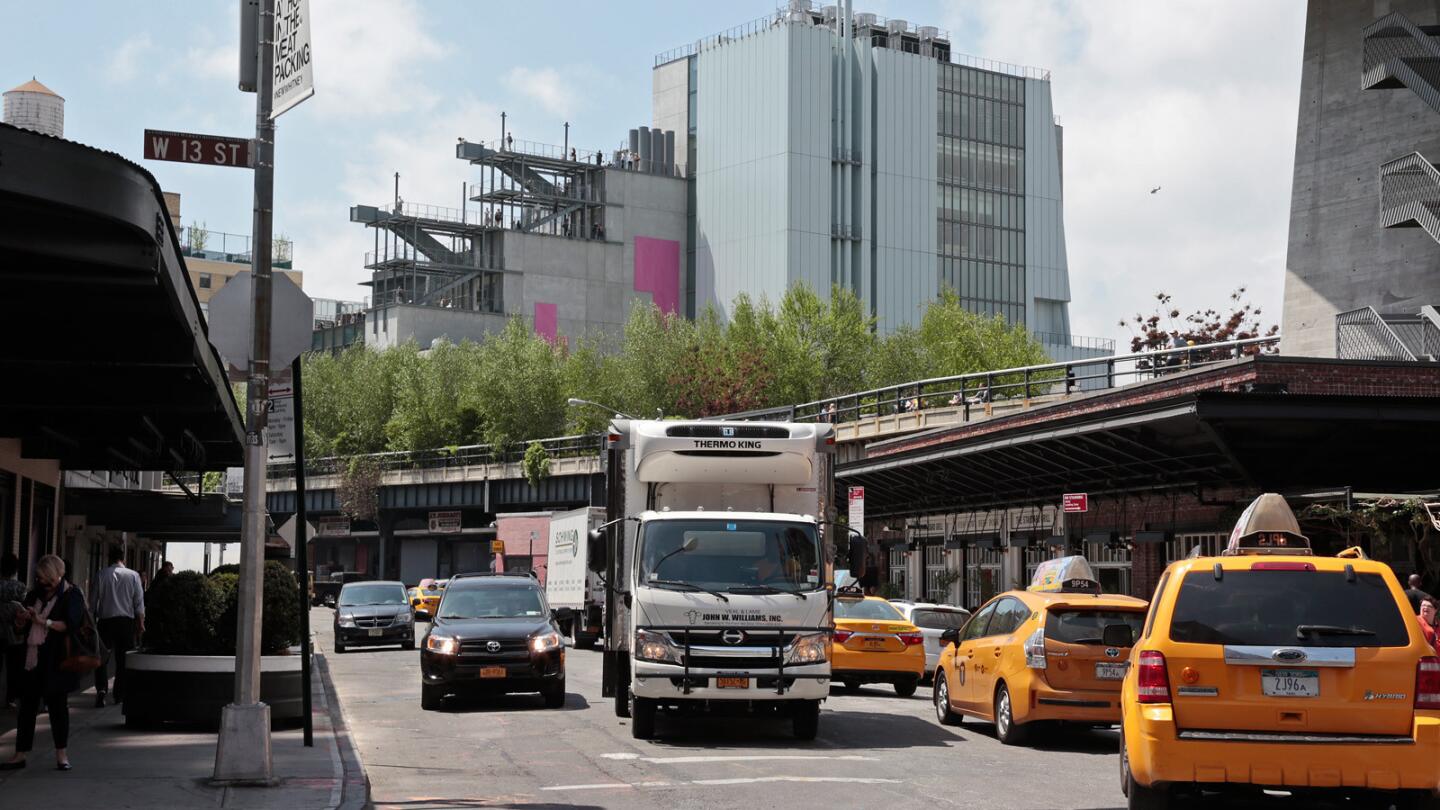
[32, 105]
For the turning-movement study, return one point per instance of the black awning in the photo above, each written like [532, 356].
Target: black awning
[102, 344]
[158, 515]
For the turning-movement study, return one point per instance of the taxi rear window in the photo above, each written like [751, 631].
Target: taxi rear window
[939, 619]
[1309, 608]
[866, 609]
[1088, 626]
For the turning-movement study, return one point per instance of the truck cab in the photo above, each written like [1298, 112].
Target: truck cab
[719, 569]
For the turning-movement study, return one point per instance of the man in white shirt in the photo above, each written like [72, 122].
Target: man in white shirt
[118, 599]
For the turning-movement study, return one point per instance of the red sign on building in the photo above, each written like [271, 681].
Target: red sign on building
[209, 150]
[1075, 502]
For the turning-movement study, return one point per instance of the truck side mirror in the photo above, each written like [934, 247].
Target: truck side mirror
[595, 559]
[858, 557]
[1117, 635]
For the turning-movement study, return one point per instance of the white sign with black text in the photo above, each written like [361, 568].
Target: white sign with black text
[280, 425]
[294, 78]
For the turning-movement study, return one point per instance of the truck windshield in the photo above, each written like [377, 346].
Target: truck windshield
[731, 555]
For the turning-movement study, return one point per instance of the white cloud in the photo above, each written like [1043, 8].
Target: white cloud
[371, 56]
[1199, 98]
[545, 86]
[124, 64]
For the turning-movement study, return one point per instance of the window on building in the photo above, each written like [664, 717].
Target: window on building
[204, 281]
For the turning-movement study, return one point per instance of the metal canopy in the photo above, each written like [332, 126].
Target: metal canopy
[158, 515]
[1274, 442]
[102, 345]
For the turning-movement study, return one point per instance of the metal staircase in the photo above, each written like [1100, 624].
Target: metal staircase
[1364, 334]
[1410, 194]
[1398, 53]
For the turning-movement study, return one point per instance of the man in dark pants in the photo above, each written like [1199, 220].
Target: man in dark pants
[119, 602]
[12, 656]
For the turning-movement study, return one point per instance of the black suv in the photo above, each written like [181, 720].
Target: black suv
[492, 633]
[373, 613]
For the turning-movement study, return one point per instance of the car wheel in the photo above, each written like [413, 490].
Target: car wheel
[1007, 731]
[408, 645]
[1138, 796]
[622, 702]
[906, 688]
[946, 715]
[851, 686]
[642, 718]
[805, 722]
[430, 697]
[1415, 801]
[554, 694]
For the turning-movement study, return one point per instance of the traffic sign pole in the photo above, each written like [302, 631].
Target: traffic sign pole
[302, 554]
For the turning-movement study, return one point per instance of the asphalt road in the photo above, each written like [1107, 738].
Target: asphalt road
[875, 750]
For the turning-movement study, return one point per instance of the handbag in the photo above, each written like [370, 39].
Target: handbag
[83, 649]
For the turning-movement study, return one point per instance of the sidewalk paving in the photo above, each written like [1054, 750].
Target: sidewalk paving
[116, 767]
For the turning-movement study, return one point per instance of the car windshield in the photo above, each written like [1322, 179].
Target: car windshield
[928, 619]
[492, 602]
[356, 595]
[1305, 608]
[1088, 626]
[731, 555]
[867, 609]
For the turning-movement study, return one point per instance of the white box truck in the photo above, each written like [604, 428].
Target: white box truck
[574, 592]
[718, 568]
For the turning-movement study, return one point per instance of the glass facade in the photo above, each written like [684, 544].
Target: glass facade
[981, 191]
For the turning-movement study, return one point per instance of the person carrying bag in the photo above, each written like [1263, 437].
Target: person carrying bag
[51, 612]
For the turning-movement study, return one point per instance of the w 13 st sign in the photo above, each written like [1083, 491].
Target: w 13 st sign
[210, 150]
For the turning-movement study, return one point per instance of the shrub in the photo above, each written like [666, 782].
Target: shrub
[228, 568]
[181, 611]
[280, 619]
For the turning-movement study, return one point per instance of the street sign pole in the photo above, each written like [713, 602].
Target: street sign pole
[243, 754]
[302, 554]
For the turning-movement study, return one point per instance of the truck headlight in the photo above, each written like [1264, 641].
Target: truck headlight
[347, 620]
[545, 642]
[811, 648]
[442, 645]
[652, 646]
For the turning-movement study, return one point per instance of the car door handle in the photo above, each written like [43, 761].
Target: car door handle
[997, 653]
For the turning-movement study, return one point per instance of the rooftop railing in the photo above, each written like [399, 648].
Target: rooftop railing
[546, 150]
[446, 457]
[216, 246]
[1078, 341]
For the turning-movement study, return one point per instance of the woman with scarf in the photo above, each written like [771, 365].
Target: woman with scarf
[51, 609]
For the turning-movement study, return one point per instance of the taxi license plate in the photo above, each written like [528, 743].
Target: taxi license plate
[377, 631]
[732, 683]
[874, 643]
[1105, 671]
[1290, 682]
[492, 672]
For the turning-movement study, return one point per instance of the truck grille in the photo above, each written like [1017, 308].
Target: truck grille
[748, 662]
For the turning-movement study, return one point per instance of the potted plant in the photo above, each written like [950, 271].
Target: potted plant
[185, 669]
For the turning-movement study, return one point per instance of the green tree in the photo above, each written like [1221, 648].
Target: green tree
[523, 394]
[432, 405]
[349, 400]
[536, 464]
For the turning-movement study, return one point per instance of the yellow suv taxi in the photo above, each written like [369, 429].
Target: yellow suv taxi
[873, 643]
[1038, 655]
[1272, 668]
[426, 598]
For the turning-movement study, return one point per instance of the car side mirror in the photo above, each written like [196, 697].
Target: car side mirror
[950, 636]
[858, 558]
[1118, 635]
[596, 557]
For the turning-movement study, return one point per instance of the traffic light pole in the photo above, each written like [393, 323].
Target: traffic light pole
[243, 754]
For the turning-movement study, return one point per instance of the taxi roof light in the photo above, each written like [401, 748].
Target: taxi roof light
[1065, 575]
[1267, 526]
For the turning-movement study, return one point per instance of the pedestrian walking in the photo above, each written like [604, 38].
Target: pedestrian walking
[12, 590]
[1415, 593]
[119, 600]
[509, 143]
[53, 608]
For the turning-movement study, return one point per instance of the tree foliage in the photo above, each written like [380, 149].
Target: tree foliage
[512, 387]
[1163, 327]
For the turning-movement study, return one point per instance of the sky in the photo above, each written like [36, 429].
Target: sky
[1196, 97]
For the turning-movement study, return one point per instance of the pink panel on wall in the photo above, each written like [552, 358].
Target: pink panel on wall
[546, 321]
[657, 271]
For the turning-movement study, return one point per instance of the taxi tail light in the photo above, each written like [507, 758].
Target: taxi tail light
[1035, 650]
[911, 639]
[841, 636]
[1427, 683]
[1154, 684]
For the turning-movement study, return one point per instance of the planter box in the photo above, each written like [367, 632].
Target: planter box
[194, 688]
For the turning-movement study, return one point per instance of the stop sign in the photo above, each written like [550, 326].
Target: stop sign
[292, 320]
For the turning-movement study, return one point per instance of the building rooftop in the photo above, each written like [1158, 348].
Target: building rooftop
[34, 86]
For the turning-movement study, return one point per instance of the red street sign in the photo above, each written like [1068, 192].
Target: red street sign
[1075, 502]
[186, 147]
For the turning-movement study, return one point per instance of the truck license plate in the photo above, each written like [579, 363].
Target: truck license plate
[492, 672]
[1105, 671]
[1290, 682]
[376, 631]
[732, 683]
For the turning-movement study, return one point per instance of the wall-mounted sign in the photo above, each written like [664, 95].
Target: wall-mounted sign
[856, 515]
[333, 527]
[1075, 502]
[445, 522]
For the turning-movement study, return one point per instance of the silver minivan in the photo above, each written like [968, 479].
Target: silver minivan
[932, 620]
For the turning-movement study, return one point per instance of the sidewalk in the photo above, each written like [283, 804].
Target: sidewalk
[117, 768]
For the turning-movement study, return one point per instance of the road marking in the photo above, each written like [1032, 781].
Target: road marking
[862, 780]
[590, 787]
[732, 758]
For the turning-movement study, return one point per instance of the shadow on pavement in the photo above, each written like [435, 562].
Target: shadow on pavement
[437, 804]
[839, 730]
[524, 702]
[1067, 739]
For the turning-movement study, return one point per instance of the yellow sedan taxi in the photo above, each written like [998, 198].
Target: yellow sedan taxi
[1270, 667]
[426, 599]
[1050, 653]
[873, 643]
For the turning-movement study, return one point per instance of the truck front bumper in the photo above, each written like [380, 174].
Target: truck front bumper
[670, 682]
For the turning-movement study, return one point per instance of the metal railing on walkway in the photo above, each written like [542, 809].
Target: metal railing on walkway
[1362, 334]
[473, 455]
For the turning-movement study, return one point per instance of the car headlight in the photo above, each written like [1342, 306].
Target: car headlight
[545, 642]
[347, 620]
[652, 646]
[442, 645]
[404, 617]
[811, 648]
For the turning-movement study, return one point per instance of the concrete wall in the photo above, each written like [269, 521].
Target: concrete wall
[1339, 258]
[904, 155]
[394, 324]
[670, 104]
[1047, 270]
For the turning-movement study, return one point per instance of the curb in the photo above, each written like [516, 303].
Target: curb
[354, 782]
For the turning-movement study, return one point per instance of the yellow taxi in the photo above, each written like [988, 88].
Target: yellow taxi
[1272, 668]
[426, 599]
[1049, 653]
[873, 643]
